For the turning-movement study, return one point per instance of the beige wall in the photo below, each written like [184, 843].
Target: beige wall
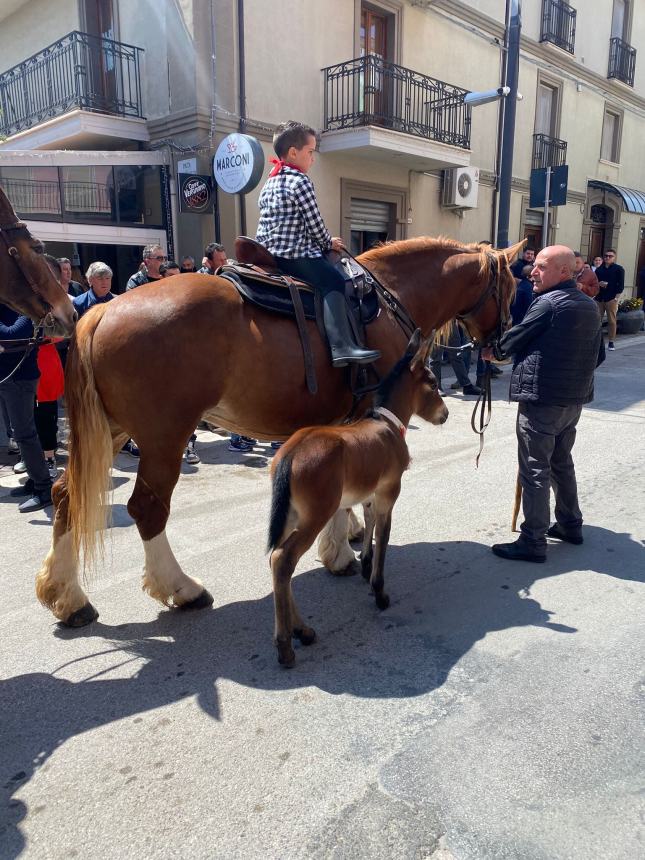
[34, 26]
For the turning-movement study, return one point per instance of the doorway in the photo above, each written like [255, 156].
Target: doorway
[371, 223]
[640, 267]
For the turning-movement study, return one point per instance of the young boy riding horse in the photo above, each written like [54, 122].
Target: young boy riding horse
[292, 229]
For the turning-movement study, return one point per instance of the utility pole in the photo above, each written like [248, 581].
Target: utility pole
[513, 30]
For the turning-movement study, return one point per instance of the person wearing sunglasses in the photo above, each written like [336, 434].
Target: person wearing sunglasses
[611, 278]
[153, 257]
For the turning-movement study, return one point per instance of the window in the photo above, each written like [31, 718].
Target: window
[546, 117]
[610, 145]
[33, 191]
[620, 20]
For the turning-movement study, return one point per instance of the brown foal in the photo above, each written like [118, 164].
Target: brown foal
[321, 469]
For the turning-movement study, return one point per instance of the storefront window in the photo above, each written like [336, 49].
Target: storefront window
[139, 195]
[88, 193]
[34, 192]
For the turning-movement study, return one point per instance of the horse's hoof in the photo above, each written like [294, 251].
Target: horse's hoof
[83, 616]
[305, 635]
[351, 570]
[382, 600]
[200, 602]
[286, 654]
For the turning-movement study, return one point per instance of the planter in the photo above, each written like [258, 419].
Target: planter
[629, 322]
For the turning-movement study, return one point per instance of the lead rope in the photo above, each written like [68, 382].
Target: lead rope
[31, 343]
[483, 404]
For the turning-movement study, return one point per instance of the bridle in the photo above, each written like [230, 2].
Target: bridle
[480, 419]
[27, 343]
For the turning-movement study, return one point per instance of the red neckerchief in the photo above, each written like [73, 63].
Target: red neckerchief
[279, 164]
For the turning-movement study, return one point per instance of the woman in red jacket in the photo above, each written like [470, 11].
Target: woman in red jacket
[51, 386]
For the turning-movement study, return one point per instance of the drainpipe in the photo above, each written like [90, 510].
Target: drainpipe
[242, 88]
[216, 219]
[512, 73]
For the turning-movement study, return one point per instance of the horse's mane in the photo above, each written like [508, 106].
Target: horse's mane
[387, 383]
[427, 244]
[385, 251]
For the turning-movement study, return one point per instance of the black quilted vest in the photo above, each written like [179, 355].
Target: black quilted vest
[557, 367]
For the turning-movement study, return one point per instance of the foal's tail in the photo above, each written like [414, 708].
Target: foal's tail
[280, 501]
[90, 445]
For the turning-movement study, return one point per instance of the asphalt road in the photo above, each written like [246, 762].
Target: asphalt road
[494, 711]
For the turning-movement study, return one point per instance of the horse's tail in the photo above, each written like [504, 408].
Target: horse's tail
[280, 501]
[88, 473]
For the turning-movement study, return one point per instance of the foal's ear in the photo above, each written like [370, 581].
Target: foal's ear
[424, 346]
[414, 344]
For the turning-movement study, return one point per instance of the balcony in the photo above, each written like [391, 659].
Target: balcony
[559, 24]
[548, 151]
[622, 61]
[377, 109]
[82, 78]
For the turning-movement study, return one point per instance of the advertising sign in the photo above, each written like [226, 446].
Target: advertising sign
[559, 179]
[238, 164]
[194, 193]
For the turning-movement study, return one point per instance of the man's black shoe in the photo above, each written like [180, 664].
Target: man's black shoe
[36, 502]
[26, 489]
[557, 531]
[471, 389]
[517, 551]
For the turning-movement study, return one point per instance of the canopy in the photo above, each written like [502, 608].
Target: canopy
[633, 200]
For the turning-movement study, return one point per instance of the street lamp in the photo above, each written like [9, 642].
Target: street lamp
[509, 93]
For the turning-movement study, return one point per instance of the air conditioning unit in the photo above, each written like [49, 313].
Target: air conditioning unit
[461, 187]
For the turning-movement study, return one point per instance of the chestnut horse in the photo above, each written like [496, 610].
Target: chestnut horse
[151, 363]
[27, 284]
[321, 469]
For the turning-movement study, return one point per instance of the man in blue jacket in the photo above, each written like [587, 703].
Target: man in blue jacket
[18, 383]
[556, 349]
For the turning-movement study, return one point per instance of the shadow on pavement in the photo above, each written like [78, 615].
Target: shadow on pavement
[445, 598]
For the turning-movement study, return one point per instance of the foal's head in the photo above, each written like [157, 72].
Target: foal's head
[411, 388]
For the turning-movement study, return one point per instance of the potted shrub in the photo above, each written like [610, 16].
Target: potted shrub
[629, 318]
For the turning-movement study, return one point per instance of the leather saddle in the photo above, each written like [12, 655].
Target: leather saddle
[258, 279]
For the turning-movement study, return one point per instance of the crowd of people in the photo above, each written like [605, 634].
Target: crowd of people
[292, 229]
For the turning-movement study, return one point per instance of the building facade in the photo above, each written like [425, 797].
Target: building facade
[384, 81]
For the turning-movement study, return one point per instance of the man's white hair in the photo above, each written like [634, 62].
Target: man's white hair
[98, 270]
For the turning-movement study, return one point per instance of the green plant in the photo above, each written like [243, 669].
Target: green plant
[630, 305]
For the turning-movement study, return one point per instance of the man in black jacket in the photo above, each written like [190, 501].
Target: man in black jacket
[611, 278]
[556, 349]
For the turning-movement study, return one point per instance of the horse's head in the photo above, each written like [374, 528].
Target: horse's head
[27, 284]
[413, 384]
[490, 316]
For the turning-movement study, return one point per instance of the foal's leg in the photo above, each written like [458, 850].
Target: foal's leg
[149, 506]
[333, 546]
[367, 552]
[384, 508]
[57, 583]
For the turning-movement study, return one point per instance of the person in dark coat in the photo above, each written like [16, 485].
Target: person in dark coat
[556, 350]
[523, 296]
[611, 279]
[527, 259]
[19, 380]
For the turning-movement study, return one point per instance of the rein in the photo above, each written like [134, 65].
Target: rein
[29, 343]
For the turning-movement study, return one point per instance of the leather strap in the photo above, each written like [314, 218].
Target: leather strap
[400, 426]
[310, 370]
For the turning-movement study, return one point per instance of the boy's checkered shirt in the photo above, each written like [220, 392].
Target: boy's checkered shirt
[290, 222]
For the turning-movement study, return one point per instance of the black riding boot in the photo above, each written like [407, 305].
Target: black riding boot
[339, 333]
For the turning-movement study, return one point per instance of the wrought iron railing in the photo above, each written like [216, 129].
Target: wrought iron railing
[371, 91]
[77, 71]
[548, 151]
[559, 24]
[622, 61]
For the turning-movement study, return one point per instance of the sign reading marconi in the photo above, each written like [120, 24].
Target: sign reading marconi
[238, 164]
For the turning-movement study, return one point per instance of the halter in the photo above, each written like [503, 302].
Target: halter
[13, 253]
[32, 342]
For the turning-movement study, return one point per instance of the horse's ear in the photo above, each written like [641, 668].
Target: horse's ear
[514, 251]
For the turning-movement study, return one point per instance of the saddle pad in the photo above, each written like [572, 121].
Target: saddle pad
[276, 298]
